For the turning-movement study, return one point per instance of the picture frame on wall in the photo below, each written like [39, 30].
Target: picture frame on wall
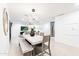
[5, 21]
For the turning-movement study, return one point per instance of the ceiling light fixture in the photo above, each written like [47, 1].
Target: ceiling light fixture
[33, 10]
[32, 18]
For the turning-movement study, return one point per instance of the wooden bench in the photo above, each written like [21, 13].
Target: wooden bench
[26, 47]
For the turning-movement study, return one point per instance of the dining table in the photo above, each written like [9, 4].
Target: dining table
[33, 40]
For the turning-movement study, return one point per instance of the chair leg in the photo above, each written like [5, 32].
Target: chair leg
[42, 50]
[33, 51]
[49, 52]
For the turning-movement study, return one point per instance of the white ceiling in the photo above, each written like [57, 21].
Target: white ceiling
[43, 11]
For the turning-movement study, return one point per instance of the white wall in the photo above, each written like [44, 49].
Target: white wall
[67, 29]
[15, 32]
[4, 40]
[45, 28]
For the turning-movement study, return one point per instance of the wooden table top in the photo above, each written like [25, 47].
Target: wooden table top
[33, 40]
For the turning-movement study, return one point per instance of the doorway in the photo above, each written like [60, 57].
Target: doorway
[52, 29]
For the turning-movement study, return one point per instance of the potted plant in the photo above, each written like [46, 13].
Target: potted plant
[32, 33]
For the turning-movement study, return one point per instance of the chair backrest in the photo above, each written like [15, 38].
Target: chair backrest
[37, 33]
[46, 39]
[41, 34]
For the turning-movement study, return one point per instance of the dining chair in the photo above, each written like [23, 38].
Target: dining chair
[41, 49]
[41, 34]
[37, 33]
